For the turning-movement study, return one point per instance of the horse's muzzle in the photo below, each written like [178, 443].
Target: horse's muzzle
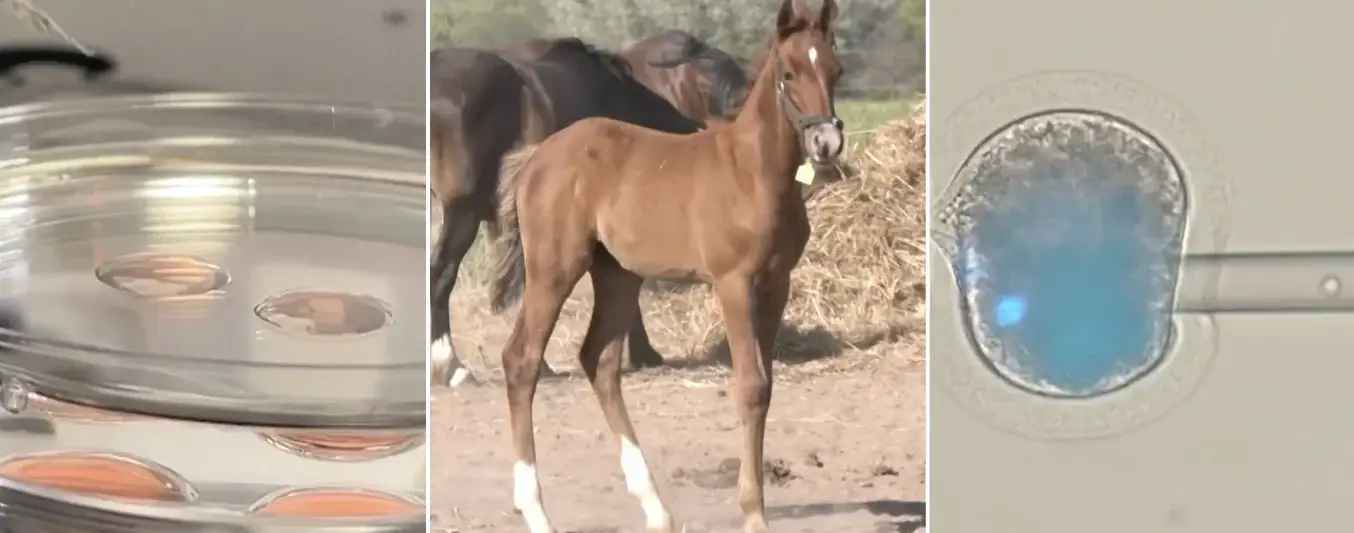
[823, 142]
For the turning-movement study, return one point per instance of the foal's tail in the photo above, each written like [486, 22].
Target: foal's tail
[510, 274]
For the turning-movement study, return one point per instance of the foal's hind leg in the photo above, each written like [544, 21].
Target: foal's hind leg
[616, 303]
[552, 271]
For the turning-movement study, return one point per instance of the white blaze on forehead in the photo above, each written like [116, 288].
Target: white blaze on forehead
[813, 55]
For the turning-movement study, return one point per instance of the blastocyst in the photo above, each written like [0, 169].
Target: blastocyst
[1064, 232]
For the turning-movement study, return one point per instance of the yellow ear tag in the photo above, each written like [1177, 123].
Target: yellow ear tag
[805, 174]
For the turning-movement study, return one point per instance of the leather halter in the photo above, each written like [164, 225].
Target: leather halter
[800, 120]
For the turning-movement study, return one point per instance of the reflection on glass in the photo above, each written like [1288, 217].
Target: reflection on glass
[187, 205]
[328, 313]
[75, 413]
[161, 275]
[344, 445]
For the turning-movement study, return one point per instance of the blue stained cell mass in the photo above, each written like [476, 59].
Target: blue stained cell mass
[1076, 308]
[1062, 269]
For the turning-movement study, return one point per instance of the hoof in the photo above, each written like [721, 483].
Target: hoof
[670, 528]
[459, 376]
[645, 358]
[446, 369]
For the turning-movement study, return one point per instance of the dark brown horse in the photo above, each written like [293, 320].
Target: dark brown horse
[623, 203]
[486, 103]
[703, 81]
[480, 108]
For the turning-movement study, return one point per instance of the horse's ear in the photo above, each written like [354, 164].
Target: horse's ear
[673, 49]
[787, 20]
[827, 15]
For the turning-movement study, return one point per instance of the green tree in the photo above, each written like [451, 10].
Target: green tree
[486, 23]
[879, 41]
[911, 21]
[740, 27]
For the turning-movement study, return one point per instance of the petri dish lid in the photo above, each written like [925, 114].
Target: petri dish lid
[102, 491]
[227, 258]
[28, 507]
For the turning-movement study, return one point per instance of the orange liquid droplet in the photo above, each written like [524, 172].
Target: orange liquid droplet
[96, 474]
[337, 503]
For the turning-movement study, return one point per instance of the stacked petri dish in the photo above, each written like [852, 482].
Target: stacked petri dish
[211, 315]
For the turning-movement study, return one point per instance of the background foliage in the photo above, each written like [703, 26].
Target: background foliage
[880, 42]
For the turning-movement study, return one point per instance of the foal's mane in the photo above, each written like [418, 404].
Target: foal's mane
[612, 61]
[760, 59]
[764, 54]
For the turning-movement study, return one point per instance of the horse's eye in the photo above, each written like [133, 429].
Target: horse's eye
[787, 76]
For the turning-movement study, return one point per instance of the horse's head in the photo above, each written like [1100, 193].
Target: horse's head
[726, 80]
[804, 56]
[729, 83]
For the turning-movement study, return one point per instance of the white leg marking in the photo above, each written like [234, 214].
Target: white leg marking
[445, 364]
[813, 56]
[441, 352]
[639, 481]
[526, 496]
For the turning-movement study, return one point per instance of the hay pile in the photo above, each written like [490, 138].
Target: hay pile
[861, 283]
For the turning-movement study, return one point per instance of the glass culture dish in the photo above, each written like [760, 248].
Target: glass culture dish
[211, 315]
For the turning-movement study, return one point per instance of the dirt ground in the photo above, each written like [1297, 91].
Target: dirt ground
[846, 442]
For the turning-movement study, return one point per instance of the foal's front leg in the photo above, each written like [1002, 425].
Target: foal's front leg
[752, 392]
[547, 287]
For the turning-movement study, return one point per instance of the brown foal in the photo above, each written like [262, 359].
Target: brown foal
[487, 103]
[622, 203]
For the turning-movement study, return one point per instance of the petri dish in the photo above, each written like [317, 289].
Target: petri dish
[182, 273]
[156, 261]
